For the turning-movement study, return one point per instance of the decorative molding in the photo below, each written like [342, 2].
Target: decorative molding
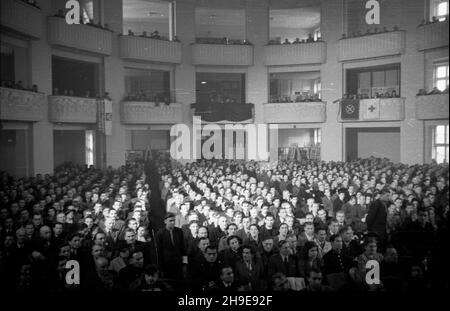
[432, 107]
[391, 109]
[295, 54]
[308, 112]
[148, 113]
[432, 36]
[67, 109]
[81, 37]
[18, 105]
[148, 49]
[222, 54]
[22, 17]
[370, 46]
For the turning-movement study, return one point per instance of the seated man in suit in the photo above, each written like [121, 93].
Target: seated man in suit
[205, 273]
[249, 271]
[226, 280]
[336, 264]
[231, 256]
[282, 262]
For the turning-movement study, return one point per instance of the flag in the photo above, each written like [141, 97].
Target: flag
[371, 109]
[104, 116]
[350, 109]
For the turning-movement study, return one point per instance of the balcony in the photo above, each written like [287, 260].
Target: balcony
[432, 107]
[380, 109]
[149, 113]
[370, 46]
[81, 37]
[222, 54]
[295, 54]
[432, 36]
[22, 18]
[147, 49]
[19, 105]
[305, 112]
[67, 109]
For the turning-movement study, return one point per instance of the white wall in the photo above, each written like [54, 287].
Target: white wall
[379, 144]
[301, 137]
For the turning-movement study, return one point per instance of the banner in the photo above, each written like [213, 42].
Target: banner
[104, 116]
[223, 112]
[371, 109]
[350, 109]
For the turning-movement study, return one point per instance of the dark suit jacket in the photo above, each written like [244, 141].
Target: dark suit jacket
[376, 218]
[170, 255]
[276, 265]
[255, 277]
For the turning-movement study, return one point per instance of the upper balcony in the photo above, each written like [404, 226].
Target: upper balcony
[22, 17]
[221, 52]
[370, 46]
[150, 113]
[432, 107]
[295, 54]
[20, 105]
[68, 109]
[148, 49]
[380, 109]
[303, 112]
[433, 35]
[82, 37]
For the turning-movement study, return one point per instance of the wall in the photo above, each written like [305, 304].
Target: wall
[301, 137]
[380, 143]
[69, 146]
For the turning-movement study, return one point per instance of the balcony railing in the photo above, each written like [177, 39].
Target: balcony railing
[380, 109]
[82, 37]
[370, 46]
[295, 54]
[222, 54]
[19, 105]
[68, 109]
[148, 49]
[22, 17]
[432, 107]
[431, 36]
[150, 113]
[305, 112]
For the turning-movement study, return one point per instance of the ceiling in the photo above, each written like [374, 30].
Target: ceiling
[158, 11]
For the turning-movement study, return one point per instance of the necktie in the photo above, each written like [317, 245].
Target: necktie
[171, 237]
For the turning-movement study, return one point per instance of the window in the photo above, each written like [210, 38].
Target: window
[317, 136]
[89, 147]
[286, 87]
[440, 144]
[441, 76]
[439, 9]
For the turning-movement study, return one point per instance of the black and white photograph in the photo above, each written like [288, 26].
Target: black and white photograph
[223, 151]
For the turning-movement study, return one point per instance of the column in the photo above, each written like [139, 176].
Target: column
[41, 75]
[257, 80]
[332, 27]
[114, 82]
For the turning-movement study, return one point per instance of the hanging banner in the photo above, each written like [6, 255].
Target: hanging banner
[104, 116]
[371, 109]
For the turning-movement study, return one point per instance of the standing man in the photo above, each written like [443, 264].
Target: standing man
[171, 249]
[377, 216]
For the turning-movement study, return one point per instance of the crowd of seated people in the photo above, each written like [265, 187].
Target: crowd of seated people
[309, 39]
[229, 225]
[301, 98]
[143, 96]
[368, 32]
[224, 40]
[154, 35]
[434, 91]
[18, 86]
[86, 94]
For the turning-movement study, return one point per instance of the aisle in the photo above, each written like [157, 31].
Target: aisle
[157, 206]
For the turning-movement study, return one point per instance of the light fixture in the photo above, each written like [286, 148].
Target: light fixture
[203, 82]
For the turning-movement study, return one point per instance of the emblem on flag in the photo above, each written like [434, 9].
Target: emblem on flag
[371, 109]
[350, 109]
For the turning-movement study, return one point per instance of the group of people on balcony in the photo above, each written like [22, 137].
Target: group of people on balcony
[87, 94]
[18, 86]
[223, 40]
[142, 96]
[32, 3]
[301, 98]
[309, 39]
[368, 32]
[434, 20]
[434, 91]
[154, 35]
[391, 94]
[222, 99]
[83, 20]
